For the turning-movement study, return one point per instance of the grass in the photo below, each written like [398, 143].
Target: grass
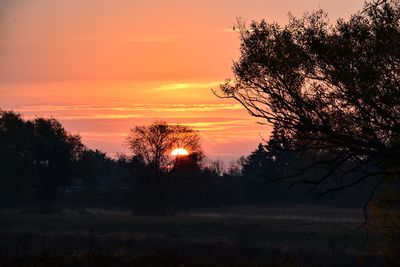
[240, 231]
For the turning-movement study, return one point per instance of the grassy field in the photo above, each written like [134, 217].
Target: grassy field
[276, 235]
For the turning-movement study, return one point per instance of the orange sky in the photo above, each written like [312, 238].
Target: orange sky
[102, 66]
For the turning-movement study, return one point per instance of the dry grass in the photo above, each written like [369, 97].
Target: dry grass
[276, 236]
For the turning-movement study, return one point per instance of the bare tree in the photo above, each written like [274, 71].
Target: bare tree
[235, 167]
[216, 167]
[154, 143]
[152, 146]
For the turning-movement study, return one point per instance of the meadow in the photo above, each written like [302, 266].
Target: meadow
[236, 236]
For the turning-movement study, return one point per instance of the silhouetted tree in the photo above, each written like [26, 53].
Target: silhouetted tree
[99, 181]
[95, 168]
[334, 89]
[152, 146]
[185, 180]
[155, 143]
[257, 163]
[235, 168]
[271, 160]
[55, 155]
[38, 155]
[189, 164]
[16, 157]
[216, 167]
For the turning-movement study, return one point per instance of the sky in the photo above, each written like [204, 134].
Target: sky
[102, 67]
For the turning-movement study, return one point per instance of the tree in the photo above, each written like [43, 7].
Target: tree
[152, 167]
[271, 160]
[216, 167]
[16, 158]
[95, 168]
[257, 163]
[56, 153]
[334, 89]
[235, 168]
[154, 143]
[38, 155]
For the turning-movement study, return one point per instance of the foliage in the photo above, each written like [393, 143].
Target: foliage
[16, 156]
[332, 88]
[38, 154]
[56, 154]
[95, 168]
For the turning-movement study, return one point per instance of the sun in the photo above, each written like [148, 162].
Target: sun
[179, 152]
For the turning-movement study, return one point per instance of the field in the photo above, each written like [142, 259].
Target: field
[241, 236]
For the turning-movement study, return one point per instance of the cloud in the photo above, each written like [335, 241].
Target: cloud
[225, 126]
[121, 111]
[97, 116]
[204, 117]
[181, 86]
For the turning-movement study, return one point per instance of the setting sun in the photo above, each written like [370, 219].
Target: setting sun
[179, 152]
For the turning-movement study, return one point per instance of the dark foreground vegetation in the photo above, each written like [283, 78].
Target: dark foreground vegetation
[245, 236]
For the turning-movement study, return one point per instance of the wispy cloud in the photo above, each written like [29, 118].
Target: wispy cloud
[109, 110]
[97, 116]
[219, 126]
[181, 86]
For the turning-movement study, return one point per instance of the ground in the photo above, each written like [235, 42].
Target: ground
[240, 236]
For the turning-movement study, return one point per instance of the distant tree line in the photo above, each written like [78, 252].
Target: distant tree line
[42, 165]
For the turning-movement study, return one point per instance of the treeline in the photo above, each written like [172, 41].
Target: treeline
[44, 166]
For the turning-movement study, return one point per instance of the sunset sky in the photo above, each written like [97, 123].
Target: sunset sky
[102, 67]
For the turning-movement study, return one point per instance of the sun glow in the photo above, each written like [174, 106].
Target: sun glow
[179, 152]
